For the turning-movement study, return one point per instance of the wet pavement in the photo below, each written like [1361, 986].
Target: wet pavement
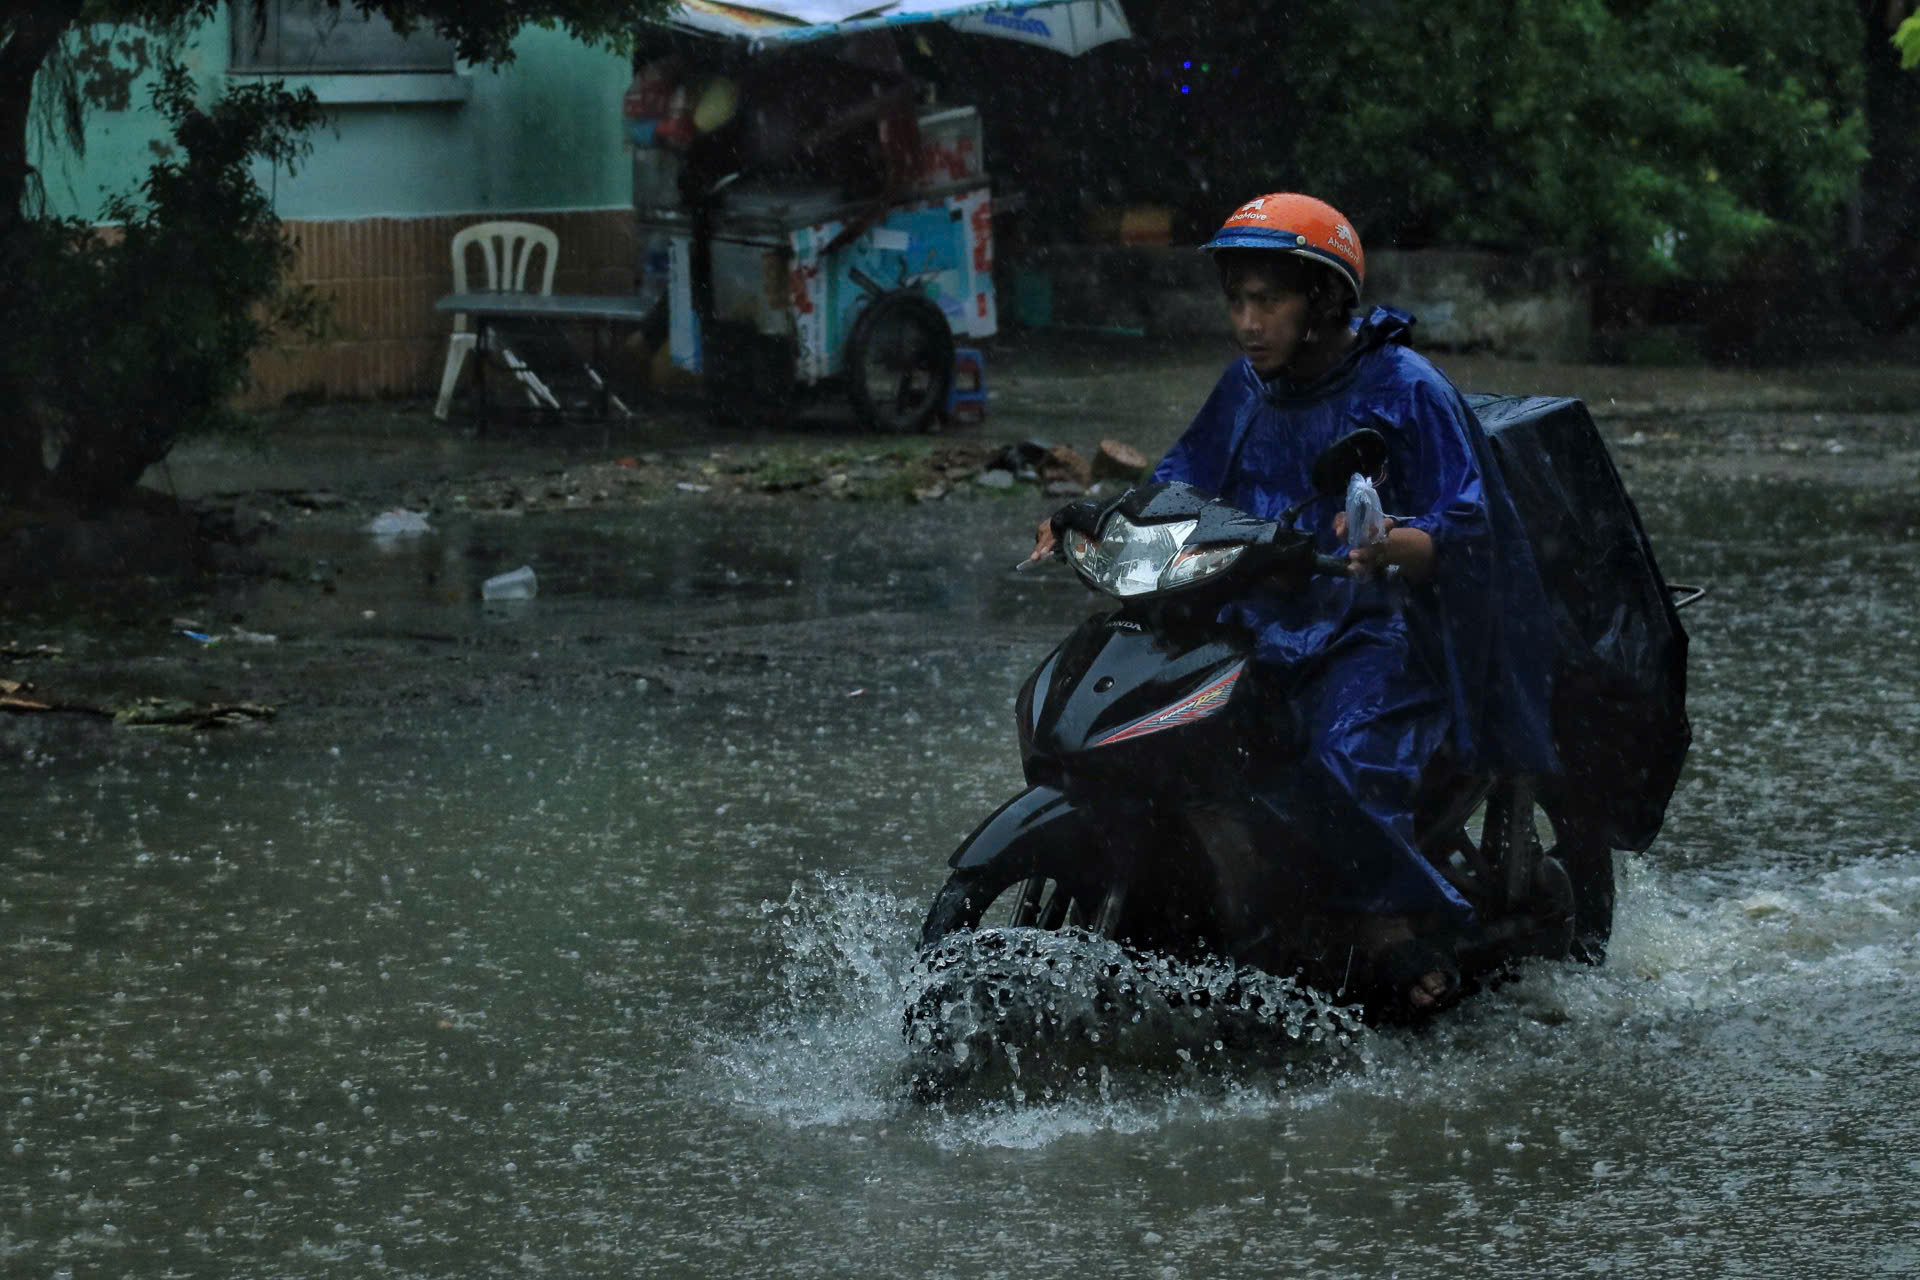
[572, 935]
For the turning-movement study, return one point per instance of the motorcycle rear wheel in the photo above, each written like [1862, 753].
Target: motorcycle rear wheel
[1589, 864]
[1511, 843]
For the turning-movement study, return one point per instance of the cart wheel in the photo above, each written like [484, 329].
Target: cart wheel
[899, 362]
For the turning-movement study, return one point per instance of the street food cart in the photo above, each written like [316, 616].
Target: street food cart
[778, 282]
[877, 315]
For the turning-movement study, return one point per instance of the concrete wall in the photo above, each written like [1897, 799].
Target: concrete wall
[405, 162]
[543, 132]
[1529, 307]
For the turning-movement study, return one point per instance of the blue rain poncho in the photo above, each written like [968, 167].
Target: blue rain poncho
[1384, 674]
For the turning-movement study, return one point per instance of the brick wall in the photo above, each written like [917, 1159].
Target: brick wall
[383, 276]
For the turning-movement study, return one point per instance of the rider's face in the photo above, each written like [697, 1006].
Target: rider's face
[1269, 318]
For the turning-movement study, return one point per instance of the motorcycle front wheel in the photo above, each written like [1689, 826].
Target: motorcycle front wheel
[1025, 897]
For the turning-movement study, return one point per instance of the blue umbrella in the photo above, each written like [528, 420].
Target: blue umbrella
[1071, 28]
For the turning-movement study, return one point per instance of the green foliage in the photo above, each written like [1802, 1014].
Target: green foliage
[1661, 138]
[129, 338]
[121, 341]
[1906, 38]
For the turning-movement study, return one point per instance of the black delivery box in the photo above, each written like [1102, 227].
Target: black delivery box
[1620, 686]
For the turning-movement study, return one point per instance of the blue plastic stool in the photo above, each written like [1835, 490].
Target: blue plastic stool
[967, 398]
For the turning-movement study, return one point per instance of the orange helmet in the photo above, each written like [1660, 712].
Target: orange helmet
[1286, 222]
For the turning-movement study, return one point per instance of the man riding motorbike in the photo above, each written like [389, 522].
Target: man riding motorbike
[1438, 641]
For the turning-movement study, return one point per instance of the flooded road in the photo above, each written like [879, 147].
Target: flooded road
[572, 936]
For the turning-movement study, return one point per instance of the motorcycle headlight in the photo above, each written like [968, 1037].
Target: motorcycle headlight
[1132, 560]
[1195, 563]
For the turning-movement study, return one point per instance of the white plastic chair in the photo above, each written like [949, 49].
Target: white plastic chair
[507, 250]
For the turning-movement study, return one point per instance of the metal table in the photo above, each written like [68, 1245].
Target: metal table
[599, 312]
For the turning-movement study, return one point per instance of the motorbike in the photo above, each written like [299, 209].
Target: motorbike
[1144, 740]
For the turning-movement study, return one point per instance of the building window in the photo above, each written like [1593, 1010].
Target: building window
[311, 37]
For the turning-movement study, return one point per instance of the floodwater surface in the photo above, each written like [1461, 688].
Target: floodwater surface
[603, 973]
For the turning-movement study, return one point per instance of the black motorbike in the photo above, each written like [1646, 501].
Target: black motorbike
[1145, 737]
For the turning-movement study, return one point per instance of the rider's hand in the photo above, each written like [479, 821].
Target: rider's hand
[1044, 541]
[1369, 561]
[1412, 551]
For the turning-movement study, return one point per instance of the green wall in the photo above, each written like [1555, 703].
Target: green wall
[542, 133]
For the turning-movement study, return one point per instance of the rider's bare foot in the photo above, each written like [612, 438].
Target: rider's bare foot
[1414, 972]
[1430, 989]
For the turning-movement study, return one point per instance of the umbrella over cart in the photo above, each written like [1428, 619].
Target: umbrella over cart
[1071, 28]
[1067, 26]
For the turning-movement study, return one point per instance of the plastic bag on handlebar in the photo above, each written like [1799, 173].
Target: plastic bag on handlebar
[1366, 522]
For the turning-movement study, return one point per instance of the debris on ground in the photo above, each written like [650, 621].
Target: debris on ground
[519, 584]
[198, 632]
[14, 696]
[1116, 460]
[307, 499]
[399, 523]
[921, 470]
[178, 713]
[19, 697]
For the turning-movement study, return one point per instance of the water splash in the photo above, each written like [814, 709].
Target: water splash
[1012, 1037]
[1046, 1015]
[1700, 941]
[825, 1049]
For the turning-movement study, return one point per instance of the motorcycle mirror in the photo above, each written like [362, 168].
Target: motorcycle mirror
[1362, 452]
